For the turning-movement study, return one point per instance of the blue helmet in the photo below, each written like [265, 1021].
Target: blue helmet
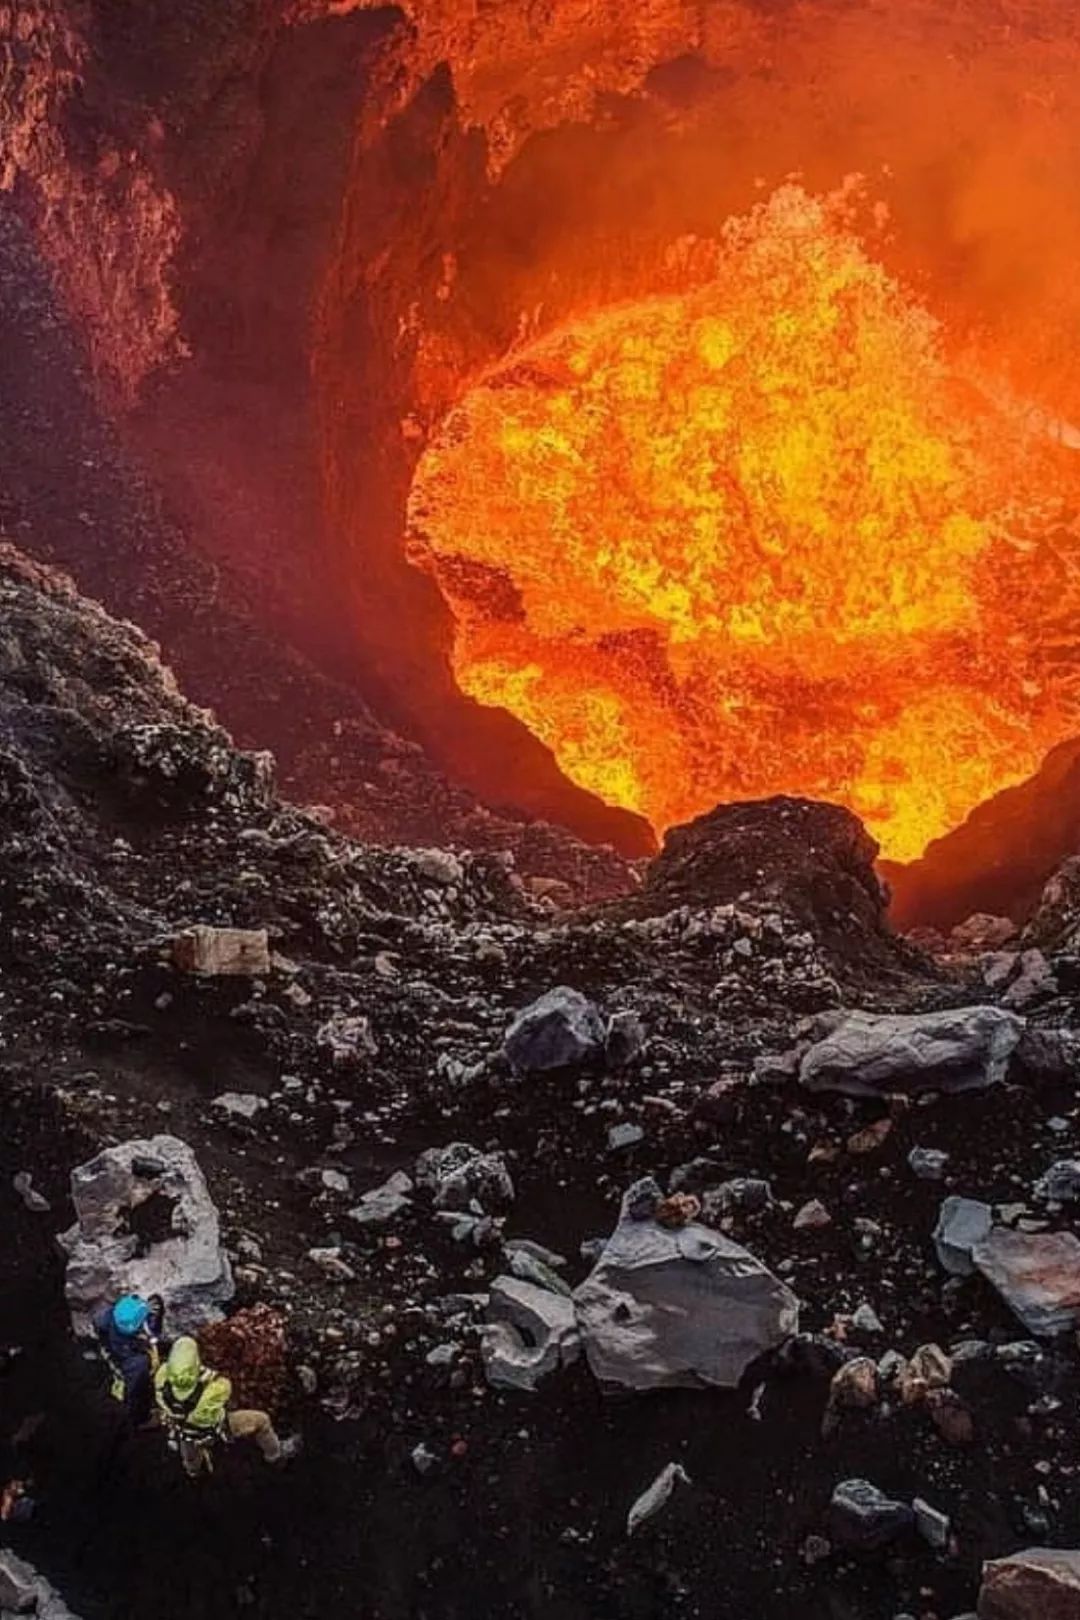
[129, 1314]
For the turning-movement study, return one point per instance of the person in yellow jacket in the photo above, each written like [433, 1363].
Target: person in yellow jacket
[193, 1401]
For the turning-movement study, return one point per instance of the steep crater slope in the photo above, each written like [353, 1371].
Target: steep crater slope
[376, 1032]
[284, 310]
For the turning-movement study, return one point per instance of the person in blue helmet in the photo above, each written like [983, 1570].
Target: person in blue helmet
[129, 1335]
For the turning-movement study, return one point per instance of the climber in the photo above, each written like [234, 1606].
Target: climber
[193, 1402]
[129, 1336]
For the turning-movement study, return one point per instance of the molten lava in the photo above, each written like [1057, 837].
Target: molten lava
[764, 534]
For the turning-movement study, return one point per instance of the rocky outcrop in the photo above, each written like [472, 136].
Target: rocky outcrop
[1042, 1583]
[529, 1333]
[869, 1055]
[677, 1307]
[1001, 857]
[23, 1591]
[813, 864]
[108, 227]
[1055, 924]
[145, 1224]
[559, 1031]
[1037, 1274]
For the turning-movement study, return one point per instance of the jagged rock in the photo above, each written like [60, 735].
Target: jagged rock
[929, 1164]
[856, 1386]
[239, 1104]
[623, 1136]
[1042, 1583]
[438, 866]
[624, 1039]
[530, 1269]
[932, 1524]
[815, 862]
[1048, 1053]
[811, 1217]
[868, 1054]
[529, 1333]
[685, 1307]
[18, 1588]
[23, 1184]
[331, 1264]
[460, 1174]
[982, 932]
[537, 1251]
[863, 1518]
[1037, 1274]
[24, 1591]
[962, 1224]
[746, 1194]
[1055, 923]
[145, 1234]
[384, 1204]
[950, 1417]
[560, 1030]
[347, 1038]
[1034, 981]
[1061, 1183]
[928, 1368]
[656, 1496]
[223, 952]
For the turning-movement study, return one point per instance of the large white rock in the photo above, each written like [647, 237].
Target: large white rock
[529, 1333]
[868, 1054]
[678, 1308]
[121, 1243]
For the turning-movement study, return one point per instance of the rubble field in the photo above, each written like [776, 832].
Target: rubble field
[708, 1251]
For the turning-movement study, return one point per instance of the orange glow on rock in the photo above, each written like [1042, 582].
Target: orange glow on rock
[762, 535]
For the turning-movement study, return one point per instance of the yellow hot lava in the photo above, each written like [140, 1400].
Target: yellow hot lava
[760, 536]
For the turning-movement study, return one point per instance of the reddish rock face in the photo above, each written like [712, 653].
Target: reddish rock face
[1040, 1584]
[296, 302]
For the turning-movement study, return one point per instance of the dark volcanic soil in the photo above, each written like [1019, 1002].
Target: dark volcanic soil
[127, 815]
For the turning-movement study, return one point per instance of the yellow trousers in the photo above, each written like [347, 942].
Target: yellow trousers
[243, 1425]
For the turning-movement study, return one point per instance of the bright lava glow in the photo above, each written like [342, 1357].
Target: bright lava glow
[762, 536]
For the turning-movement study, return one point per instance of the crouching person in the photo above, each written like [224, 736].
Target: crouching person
[129, 1337]
[193, 1402]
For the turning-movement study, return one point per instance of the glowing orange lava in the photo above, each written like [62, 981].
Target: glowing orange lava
[763, 536]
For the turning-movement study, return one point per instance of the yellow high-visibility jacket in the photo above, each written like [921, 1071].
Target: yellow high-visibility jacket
[199, 1415]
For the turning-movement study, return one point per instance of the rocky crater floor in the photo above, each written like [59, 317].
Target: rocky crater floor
[711, 1252]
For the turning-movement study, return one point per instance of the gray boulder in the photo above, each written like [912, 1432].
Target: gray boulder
[1061, 1183]
[347, 1039]
[24, 1591]
[868, 1054]
[929, 1164]
[1035, 981]
[145, 1224]
[530, 1332]
[962, 1224]
[561, 1030]
[385, 1203]
[862, 1517]
[460, 1175]
[1037, 1274]
[1042, 1583]
[678, 1307]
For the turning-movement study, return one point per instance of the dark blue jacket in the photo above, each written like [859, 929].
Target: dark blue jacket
[128, 1355]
